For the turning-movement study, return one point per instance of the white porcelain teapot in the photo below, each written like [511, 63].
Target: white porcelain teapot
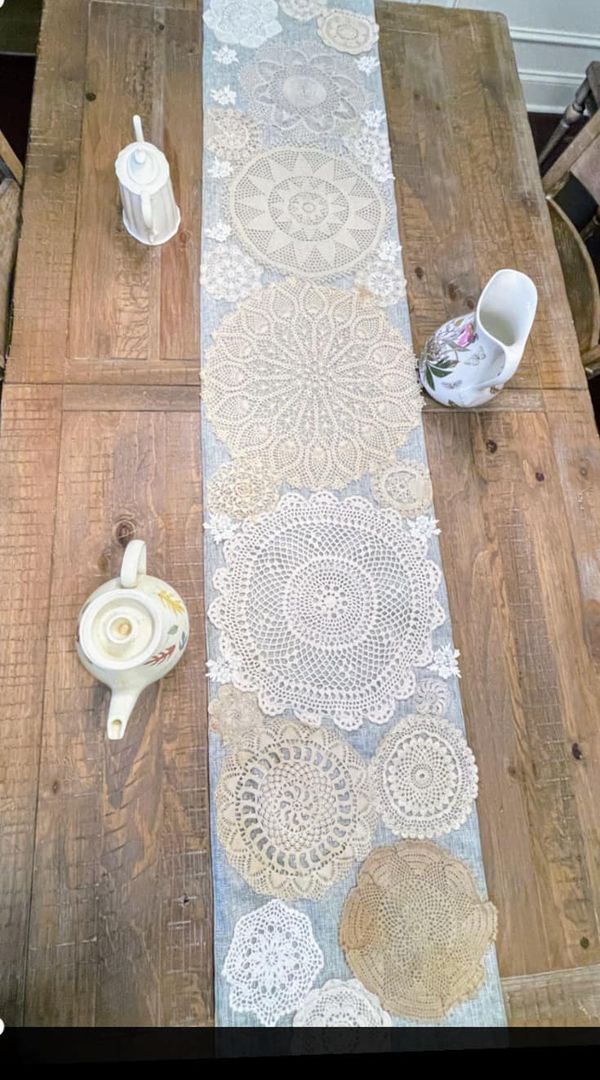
[132, 631]
[150, 212]
[469, 359]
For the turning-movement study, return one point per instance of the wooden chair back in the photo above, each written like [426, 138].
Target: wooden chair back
[11, 180]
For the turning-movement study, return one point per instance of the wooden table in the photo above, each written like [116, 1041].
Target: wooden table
[105, 889]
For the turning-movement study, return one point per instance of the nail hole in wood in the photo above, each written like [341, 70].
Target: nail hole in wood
[539, 477]
[576, 751]
[491, 446]
[90, 96]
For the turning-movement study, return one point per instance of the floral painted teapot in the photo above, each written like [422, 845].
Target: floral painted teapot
[469, 359]
[132, 631]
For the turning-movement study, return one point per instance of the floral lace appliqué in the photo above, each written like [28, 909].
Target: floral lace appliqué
[341, 1004]
[445, 662]
[424, 777]
[225, 56]
[293, 810]
[224, 95]
[347, 31]
[367, 64]
[383, 281]
[312, 382]
[231, 135]
[415, 930]
[272, 962]
[249, 23]
[305, 211]
[228, 273]
[220, 527]
[326, 607]
[403, 485]
[304, 89]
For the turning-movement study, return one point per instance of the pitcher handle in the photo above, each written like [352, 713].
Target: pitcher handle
[134, 563]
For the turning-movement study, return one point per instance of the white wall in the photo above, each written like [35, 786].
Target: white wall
[554, 41]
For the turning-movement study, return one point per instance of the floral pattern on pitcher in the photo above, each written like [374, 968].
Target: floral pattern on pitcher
[453, 342]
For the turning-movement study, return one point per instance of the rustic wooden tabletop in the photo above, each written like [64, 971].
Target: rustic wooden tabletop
[105, 890]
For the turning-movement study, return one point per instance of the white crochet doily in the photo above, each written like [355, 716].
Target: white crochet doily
[305, 211]
[249, 23]
[341, 1004]
[424, 777]
[432, 697]
[303, 10]
[272, 962]
[293, 809]
[347, 31]
[326, 607]
[304, 89]
[311, 382]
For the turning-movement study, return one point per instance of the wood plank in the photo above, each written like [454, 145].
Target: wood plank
[522, 574]
[106, 398]
[111, 313]
[568, 998]
[29, 447]
[530, 683]
[468, 191]
[10, 201]
[182, 141]
[120, 930]
[43, 276]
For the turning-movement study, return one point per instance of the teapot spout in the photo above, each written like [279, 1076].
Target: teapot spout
[122, 704]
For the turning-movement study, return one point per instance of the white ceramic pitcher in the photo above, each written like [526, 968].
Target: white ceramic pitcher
[132, 631]
[150, 212]
[469, 359]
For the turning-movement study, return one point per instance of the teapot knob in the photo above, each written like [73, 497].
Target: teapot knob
[134, 564]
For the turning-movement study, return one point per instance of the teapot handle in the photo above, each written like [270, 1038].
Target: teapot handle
[134, 563]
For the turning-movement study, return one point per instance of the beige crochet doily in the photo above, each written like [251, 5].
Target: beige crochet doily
[415, 930]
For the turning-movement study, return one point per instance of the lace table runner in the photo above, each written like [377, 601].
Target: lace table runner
[348, 879]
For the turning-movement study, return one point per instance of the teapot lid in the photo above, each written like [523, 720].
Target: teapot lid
[120, 629]
[141, 166]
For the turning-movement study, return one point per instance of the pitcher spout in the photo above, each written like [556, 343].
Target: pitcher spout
[122, 704]
[504, 317]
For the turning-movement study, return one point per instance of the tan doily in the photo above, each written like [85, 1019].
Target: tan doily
[293, 810]
[311, 382]
[242, 489]
[415, 930]
[403, 485]
[233, 714]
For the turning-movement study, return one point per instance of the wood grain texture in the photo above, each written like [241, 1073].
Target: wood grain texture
[29, 450]
[10, 201]
[467, 184]
[515, 490]
[98, 64]
[105, 893]
[554, 998]
[120, 919]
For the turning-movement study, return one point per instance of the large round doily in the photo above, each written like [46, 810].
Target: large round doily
[312, 382]
[304, 89]
[305, 211]
[415, 930]
[326, 607]
[294, 810]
